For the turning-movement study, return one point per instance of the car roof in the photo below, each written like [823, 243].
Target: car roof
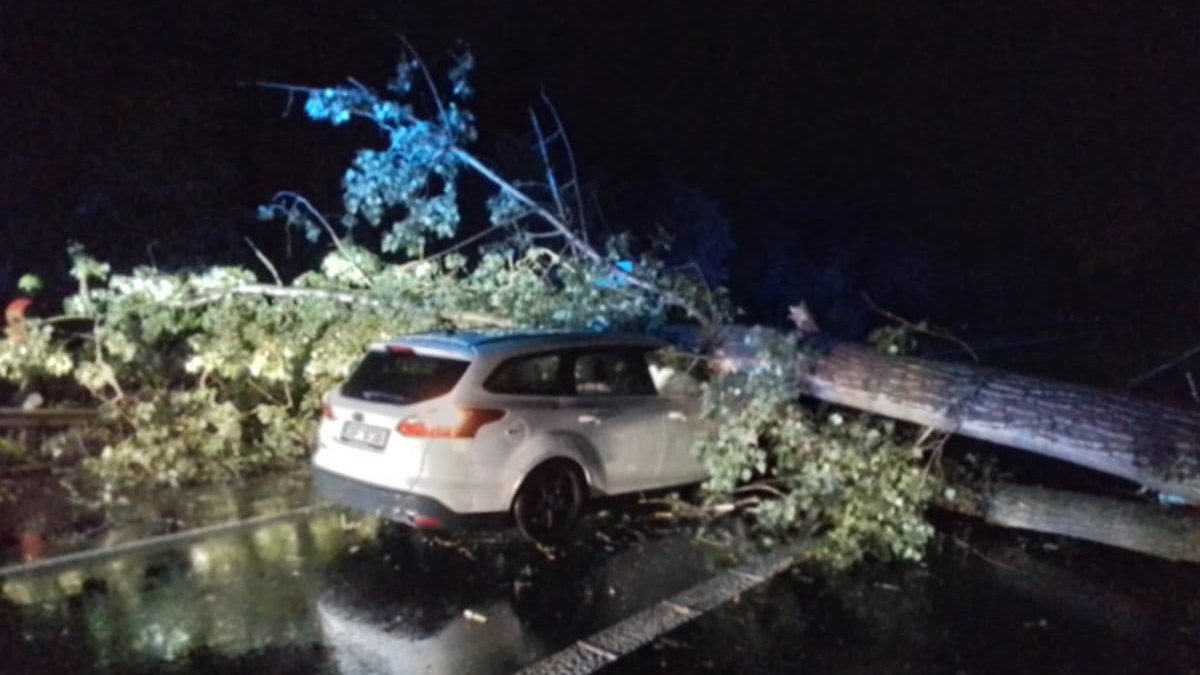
[486, 343]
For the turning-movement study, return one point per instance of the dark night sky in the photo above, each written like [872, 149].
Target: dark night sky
[1050, 150]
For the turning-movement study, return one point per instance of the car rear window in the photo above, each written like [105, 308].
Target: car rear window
[402, 377]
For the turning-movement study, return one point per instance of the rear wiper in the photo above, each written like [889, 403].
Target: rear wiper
[376, 395]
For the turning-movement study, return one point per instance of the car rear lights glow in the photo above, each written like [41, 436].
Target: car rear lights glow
[424, 522]
[449, 422]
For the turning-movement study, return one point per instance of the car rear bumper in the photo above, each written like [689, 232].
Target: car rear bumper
[402, 507]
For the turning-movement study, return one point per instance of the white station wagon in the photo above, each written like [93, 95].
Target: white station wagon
[435, 429]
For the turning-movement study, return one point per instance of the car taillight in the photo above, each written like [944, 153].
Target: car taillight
[326, 409]
[448, 422]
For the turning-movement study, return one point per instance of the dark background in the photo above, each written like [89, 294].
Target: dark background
[964, 162]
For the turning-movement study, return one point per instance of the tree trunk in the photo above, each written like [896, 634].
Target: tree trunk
[1151, 444]
[1174, 535]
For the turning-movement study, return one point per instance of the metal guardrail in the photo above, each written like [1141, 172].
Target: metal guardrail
[154, 543]
[40, 418]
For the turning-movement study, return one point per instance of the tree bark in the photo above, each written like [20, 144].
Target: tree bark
[1155, 445]
[1145, 528]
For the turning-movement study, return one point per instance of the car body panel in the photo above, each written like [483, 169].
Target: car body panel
[628, 436]
[627, 439]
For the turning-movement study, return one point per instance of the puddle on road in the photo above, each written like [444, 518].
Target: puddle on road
[320, 595]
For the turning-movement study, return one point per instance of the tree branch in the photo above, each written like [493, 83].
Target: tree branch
[551, 181]
[572, 238]
[1157, 370]
[262, 257]
[571, 164]
[931, 331]
[343, 297]
[312, 212]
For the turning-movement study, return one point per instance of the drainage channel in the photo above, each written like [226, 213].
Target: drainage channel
[592, 653]
[151, 544]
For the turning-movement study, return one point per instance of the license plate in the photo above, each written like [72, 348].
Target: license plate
[364, 434]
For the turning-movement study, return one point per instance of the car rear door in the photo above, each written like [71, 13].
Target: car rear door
[616, 407]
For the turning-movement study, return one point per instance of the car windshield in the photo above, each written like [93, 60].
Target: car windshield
[402, 377]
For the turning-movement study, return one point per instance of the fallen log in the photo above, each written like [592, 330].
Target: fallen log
[1172, 534]
[1152, 444]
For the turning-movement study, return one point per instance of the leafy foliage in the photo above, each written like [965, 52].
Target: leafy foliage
[209, 374]
[29, 283]
[849, 478]
[204, 375]
[35, 358]
[411, 180]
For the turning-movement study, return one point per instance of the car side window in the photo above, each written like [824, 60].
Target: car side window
[612, 373]
[531, 375]
[672, 378]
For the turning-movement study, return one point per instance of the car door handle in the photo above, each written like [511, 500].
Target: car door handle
[589, 419]
[676, 416]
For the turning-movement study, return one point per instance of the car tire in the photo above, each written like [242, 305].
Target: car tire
[549, 502]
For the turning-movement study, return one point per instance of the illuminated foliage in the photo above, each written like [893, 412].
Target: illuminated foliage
[851, 479]
[209, 374]
[407, 187]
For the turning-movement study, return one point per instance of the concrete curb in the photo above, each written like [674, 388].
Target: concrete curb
[607, 646]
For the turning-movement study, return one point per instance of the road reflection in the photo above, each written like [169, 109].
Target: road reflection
[231, 594]
[325, 594]
[408, 604]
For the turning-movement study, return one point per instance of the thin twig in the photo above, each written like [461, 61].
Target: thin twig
[1154, 372]
[262, 257]
[566, 141]
[433, 91]
[451, 249]
[932, 332]
[571, 237]
[936, 449]
[300, 200]
[289, 88]
[761, 486]
[552, 182]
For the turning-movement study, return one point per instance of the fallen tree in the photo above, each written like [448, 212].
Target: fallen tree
[1146, 528]
[1151, 444]
[209, 374]
[1154, 445]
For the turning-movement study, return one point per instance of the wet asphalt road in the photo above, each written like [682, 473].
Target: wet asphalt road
[324, 592]
[989, 606]
[321, 593]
